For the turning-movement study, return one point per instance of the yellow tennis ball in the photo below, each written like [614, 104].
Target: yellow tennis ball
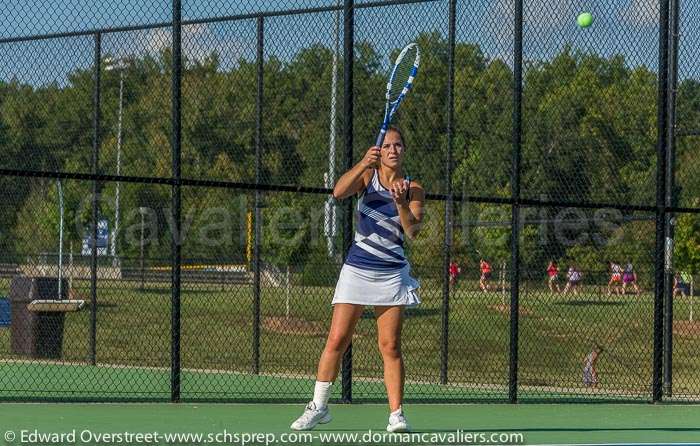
[585, 19]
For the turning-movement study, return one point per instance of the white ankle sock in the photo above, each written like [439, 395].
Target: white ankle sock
[322, 392]
[397, 411]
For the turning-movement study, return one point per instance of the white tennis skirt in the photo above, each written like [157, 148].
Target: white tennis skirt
[377, 288]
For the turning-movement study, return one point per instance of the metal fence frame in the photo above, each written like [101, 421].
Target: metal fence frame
[664, 208]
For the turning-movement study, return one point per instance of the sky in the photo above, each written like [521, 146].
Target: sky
[627, 27]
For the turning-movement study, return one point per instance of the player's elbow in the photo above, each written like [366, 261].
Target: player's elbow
[338, 194]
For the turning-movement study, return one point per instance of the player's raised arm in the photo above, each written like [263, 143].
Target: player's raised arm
[355, 179]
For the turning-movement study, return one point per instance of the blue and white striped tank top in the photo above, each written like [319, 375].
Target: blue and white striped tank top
[378, 243]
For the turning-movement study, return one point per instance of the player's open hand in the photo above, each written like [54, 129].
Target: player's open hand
[399, 192]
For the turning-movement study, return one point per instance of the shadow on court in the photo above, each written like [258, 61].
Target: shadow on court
[581, 303]
[566, 429]
[410, 312]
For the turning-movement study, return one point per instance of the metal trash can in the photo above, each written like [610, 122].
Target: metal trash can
[36, 334]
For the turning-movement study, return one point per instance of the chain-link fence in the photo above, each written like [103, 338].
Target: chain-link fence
[167, 230]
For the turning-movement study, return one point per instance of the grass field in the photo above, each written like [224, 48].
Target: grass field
[556, 332]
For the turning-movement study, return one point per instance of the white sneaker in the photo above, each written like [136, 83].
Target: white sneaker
[311, 417]
[398, 423]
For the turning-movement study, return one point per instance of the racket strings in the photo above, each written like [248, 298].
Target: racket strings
[405, 69]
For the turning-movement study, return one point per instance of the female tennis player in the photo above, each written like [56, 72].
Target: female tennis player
[375, 273]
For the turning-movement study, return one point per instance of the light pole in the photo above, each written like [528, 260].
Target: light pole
[120, 65]
[142, 211]
[329, 177]
[60, 237]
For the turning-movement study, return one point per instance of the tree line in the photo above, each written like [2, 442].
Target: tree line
[589, 135]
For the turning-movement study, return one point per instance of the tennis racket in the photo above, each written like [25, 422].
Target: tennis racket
[401, 79]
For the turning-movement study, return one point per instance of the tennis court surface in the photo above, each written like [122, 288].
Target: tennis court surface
[487, 423]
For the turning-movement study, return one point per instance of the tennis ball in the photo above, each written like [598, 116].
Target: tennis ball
[585, 19]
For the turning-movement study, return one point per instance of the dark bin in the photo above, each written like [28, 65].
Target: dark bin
[5, 314]
[36, 334]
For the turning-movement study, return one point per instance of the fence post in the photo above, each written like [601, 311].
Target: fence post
[449, 202]
[176, 202]
[659, 259]
[96, 116]
[258, 149]
[670, 199]
[515, 210]
[348, 56]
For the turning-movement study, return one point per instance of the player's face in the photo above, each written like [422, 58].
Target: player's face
[392, 150]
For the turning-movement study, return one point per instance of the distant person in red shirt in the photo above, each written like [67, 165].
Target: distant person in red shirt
[615, 278]
[553, 274]
[454, 271]
[485, 275]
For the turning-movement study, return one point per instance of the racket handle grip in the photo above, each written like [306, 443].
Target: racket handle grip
[380, 138]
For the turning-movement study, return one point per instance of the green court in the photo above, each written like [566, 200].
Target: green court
[538, 423]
